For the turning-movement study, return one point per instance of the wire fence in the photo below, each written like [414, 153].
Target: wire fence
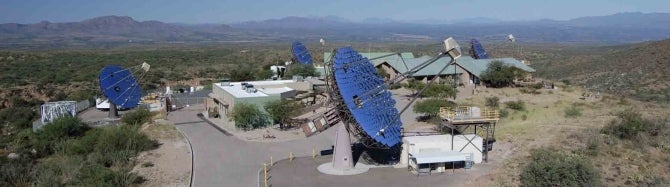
[180, 102]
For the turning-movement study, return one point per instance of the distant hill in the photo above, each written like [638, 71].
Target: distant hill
[639, 70]
[617, 28]
[102, 29]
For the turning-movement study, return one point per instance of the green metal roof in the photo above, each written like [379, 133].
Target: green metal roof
[326, 57]
[409, 62]
[478, 66]
[430, 70]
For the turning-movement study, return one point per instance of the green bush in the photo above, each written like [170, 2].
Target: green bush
[529, 91]
[15, 172]
[431, 107]
[572, 112]
[628, 125]
[17, 117]
[492, 102]
[55, 132]
[516, 105]
[550, 168]
[123, 138]
[248, 116]
[137, 117]
[97, 175]
[504, 113]
[304, 70]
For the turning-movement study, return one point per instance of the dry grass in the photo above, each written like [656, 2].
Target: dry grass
[545, 125]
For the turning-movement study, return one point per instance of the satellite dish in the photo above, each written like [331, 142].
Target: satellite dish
[120, 86]
[300, 53]
[477, 49]
[374, 122]
[511, 38]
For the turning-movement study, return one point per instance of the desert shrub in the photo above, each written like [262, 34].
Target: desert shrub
[524, 117]
[536, 86]
[147, 164]
[116, 140]
[492, 102]
[17, 117]
[529, 91]
[504, 113]
[97, 175]
[248, 116]
[137, 117]
[15, 172]
[53, 133]
[628, 125]
[565, 81]
[304, 70]
[395, 86]
[431, 107]
[572, 112]
[516, 105]
[551, 168]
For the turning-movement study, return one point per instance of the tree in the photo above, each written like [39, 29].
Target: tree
[281, 111]
[498, 74]
[248, 116]
[304, 70]
[431, 107]
[434, 90]
[414, 85]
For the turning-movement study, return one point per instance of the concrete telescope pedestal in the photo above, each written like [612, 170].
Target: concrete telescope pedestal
[343, 163]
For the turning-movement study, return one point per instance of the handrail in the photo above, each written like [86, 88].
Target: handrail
[462, 114]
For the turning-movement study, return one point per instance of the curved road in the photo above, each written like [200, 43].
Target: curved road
[221, 160]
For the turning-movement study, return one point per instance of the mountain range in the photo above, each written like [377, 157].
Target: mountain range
[617, 28]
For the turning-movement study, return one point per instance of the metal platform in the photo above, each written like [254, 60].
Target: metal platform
[483, 122]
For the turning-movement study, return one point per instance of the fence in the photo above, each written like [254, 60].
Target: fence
[181, 102]
[79, 107]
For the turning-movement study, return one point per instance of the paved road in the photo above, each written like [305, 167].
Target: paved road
[221, 160]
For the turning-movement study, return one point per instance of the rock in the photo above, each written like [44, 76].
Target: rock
[13, 156]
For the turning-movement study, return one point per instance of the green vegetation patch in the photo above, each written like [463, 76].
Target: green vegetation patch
[551, 168]
[248, 116]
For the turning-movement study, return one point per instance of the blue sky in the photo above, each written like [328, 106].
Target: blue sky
[227, 11]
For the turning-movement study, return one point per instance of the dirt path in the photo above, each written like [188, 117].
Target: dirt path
[170, 163]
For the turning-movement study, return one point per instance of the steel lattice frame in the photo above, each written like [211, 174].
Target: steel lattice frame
[54, 110]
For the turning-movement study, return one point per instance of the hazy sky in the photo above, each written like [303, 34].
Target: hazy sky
[227, 11]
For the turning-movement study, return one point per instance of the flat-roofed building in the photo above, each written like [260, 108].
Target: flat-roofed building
[225, 95]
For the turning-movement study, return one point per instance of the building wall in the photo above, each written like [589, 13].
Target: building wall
[465, 77]
[444, 143]
[392, 72]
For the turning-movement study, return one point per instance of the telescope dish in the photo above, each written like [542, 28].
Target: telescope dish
[374, 121]
[478, 51]
[119, 86]
[300, 53]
